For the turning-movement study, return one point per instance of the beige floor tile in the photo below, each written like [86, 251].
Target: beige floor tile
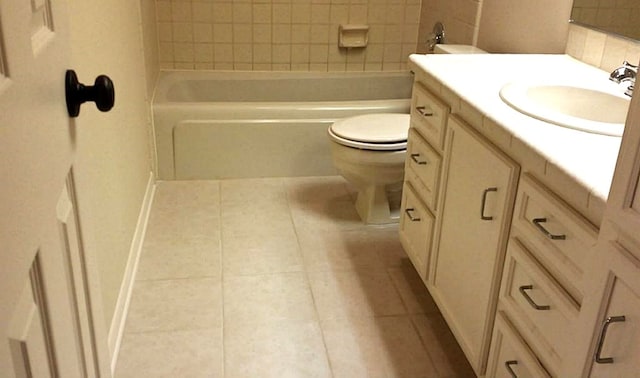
[326, 216]
[185, 203]
[376, 347]
[192, 353]
[412, 290]
[251, 300]
[259, 253]
[355, 347]
[183, 221]
[252, 191]
[339, 250]
[276, 349]
[192, 193]
[447, 357]
[259, 234]
[303, 190]
[180, 257]
[247, 212]
[260, 218]
[341, 294]
[388, 245]
[167, 305]
[344, 249]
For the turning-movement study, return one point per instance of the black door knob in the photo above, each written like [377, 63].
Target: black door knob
[76, 93]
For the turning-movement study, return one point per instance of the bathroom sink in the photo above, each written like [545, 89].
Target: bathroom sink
[574, 107]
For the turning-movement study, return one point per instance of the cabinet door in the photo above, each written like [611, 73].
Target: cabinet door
[617, 349]
[478, 196]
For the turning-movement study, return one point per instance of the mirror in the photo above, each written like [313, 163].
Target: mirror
[613, 16]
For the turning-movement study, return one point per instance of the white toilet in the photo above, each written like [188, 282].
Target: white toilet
[369, 151]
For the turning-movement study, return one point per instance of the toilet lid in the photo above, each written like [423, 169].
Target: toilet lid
[385, 128]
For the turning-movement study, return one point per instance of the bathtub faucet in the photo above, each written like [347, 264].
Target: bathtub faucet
[625, 74]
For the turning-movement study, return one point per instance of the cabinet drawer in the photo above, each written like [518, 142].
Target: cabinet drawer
[541, 308]
[510, 356]
[429, 115]
[424, 163]
[416, 225]
[564, 240]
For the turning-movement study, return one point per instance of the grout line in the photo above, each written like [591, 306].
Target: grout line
[306, 277]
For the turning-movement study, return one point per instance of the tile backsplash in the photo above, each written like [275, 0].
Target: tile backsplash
[283, 35]
[599, 49]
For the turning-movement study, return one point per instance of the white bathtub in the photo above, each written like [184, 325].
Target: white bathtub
[213, 125]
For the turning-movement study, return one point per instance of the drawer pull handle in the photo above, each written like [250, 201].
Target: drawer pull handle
[508, 364]
[538, 223]
[411, 217]
[414, 157]
[484, 201]
[523, 291]
[423, 112]
[603, 334]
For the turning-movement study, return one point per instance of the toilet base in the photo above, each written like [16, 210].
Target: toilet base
[377, 204]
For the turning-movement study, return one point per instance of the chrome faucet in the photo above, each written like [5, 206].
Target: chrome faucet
[625, 74]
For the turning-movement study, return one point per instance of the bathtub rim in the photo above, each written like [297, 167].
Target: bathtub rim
[167, 77]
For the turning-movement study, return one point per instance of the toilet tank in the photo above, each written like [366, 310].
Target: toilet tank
[457, 49]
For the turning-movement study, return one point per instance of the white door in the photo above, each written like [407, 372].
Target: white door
[45, 309]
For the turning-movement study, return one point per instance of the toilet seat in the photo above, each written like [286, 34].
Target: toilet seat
[376, 132]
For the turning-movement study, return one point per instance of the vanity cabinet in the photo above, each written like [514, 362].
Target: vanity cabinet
[478, 190]
[422, 174]
[532, 284]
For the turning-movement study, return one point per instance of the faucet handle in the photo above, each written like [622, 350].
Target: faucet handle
[630, 66]
[629, 91]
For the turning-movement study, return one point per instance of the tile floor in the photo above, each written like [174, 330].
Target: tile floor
[278, 278]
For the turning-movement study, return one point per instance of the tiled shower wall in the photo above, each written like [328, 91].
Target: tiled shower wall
[283, 35]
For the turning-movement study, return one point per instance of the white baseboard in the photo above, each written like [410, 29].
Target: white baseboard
[122, 305]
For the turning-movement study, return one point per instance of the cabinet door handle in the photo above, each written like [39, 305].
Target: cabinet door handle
[603, 333]
[414, 157]
[538, 223]
[523, 291]
[411, 217]
[508, 364]
[424, 112]
[483, 203]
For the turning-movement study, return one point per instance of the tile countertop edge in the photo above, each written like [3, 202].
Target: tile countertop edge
[477, 79]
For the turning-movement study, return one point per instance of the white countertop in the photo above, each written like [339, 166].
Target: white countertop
[477, 79]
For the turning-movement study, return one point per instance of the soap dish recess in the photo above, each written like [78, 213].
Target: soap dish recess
[351, 35]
